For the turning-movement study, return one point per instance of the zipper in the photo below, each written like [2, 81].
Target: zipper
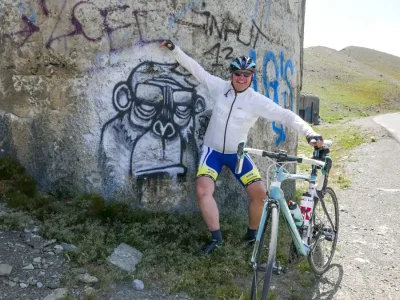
[227, 121]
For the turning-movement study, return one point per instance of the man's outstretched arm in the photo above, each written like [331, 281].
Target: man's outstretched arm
[274, 112]
[191, 65]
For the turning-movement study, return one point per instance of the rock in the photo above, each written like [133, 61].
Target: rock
[89, 291]
[5, 269]
[39, 285]
[68, 247]
[125, 257]
[29, 267]
[37, 260]
[23, 285]
[373, 139]
[57, 294]
[58, 249]
[10, 283]
[138, 285]
[54, 285]
[86, 278]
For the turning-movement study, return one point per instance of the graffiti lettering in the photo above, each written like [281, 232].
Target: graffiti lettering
[43, 5]
[104, 19]
[227, 26]
[217, 49]
[272, 85]
[26, 32]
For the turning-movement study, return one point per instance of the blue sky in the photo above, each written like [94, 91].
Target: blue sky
[337, 24]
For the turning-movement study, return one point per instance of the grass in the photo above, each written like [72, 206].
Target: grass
[344, 138]
[169, 241]
[341, 100]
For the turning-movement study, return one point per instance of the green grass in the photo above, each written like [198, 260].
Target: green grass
[341, 100]
[344, 138]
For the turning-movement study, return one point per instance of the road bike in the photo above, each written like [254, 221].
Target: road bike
[315, 238]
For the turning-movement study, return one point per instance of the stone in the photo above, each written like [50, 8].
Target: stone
[138, 285]
[57, 294]
[125, 257]
[87, 278]
[29, 267]
[5, 269]
[69, 247]
[89, 291]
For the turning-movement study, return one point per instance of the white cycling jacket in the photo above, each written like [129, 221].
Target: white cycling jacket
[235, 113]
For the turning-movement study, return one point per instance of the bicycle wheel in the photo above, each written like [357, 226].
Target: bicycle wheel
[265, 257]
[325, 222]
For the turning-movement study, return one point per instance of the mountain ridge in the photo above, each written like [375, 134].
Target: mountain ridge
[352, 82]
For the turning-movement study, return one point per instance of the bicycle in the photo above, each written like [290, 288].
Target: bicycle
[306, 240]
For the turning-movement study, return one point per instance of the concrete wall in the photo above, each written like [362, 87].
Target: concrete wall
[308, 108]
[75, 112]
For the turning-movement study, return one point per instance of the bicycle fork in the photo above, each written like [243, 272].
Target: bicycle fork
[261, 229]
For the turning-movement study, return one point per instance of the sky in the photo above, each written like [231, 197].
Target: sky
[336, 24]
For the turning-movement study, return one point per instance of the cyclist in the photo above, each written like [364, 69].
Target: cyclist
[237, 108]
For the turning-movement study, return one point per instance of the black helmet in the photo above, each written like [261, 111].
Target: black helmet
[242, 63]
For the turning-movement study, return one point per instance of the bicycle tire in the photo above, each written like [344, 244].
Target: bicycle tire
[324, 230]
[266, 271]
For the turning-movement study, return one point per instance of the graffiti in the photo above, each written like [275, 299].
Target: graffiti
[29, 29]
[103, 24]
[217, 50]
[182, 13]
[227, 27]
[155, 125]
[110, 21]
[43, 5]
[280, 73]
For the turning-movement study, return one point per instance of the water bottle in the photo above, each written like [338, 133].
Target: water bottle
[296, 214]
[306, 206]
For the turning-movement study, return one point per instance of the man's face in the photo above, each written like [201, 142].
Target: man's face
[241, 79]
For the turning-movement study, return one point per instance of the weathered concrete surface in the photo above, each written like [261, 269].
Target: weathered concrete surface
[74, 109]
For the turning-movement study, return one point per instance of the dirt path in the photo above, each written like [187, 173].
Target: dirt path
[366, 265]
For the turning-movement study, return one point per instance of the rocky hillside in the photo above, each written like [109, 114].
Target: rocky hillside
[352, 82]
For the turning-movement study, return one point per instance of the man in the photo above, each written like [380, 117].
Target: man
[237, 108]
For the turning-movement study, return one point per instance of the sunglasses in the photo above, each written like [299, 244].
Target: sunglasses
[245, 74]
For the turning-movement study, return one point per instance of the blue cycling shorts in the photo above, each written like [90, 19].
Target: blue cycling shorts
[211, 163]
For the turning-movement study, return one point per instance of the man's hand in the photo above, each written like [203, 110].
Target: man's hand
[315, 140]
[169, 44]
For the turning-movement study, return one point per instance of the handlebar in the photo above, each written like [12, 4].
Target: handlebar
[280, 156]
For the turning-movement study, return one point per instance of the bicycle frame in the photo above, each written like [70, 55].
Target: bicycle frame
[276, 197]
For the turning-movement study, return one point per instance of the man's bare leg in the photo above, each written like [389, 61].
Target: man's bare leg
[205, 187]
[257, 194]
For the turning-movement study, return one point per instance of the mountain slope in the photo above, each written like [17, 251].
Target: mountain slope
[352, 82]
[383, 62]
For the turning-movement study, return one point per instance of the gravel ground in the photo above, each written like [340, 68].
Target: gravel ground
[365, 266]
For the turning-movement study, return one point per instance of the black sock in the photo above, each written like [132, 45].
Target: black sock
[216, 235]
[251, 234]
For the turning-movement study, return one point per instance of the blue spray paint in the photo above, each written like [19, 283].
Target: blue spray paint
[281, 72]
[253, 56]
[23, 11]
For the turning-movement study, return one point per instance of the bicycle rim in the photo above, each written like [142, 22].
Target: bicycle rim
[325, 232]
[265, 258]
